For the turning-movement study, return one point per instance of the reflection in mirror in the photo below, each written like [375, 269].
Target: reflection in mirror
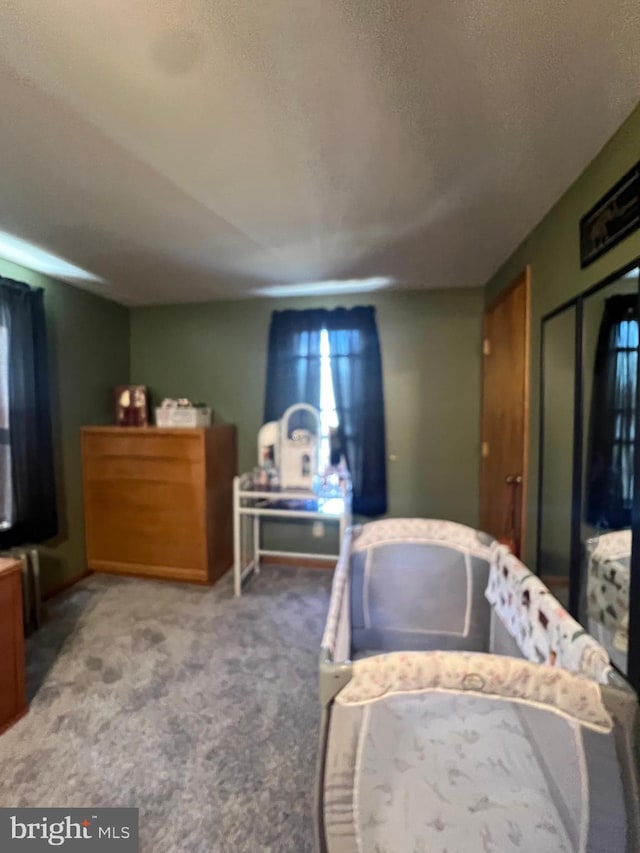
[610, 370]
[608, 558]
[558, 353]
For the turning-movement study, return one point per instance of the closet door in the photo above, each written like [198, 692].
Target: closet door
[609, 389]
[557, 401]
[589, 464]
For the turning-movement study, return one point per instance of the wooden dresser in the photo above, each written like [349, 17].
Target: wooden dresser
[13, 703]
[158, 502]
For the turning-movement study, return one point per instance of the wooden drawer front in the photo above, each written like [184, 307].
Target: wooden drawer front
[11, 649]
[153, 469]
[145, 522]
[143, 445]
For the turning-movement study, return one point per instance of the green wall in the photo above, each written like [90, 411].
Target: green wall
[430, 340]
[88, 340]
[552, 250]
[216, 352]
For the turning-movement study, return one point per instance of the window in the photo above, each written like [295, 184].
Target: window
[331, 360]
[624, 353]
[27, 485]
[610, 460]
[328, 412]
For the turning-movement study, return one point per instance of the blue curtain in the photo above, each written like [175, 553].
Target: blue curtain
[293, 376]
[34, 516]
[356, 368]
[293, 361]
[610, 465]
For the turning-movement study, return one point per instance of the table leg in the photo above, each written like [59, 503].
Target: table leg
[237, 555]
[256, 544]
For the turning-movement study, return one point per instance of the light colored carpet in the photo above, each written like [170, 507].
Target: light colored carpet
[197, 708]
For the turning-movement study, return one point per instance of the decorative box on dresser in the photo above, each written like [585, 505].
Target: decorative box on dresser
[13, 703]
[158, 502]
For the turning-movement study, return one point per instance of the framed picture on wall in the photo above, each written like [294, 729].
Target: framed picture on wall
[614, 217]
[131, 405]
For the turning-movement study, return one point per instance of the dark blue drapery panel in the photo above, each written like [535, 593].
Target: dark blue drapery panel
[356, 368]
[609, 476]
[293, 361]
[293, 376]
[34, 513]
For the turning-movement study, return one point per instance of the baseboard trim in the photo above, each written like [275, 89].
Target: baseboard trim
[65, 585]
[299, 562]
[267, 560]
[139, 570]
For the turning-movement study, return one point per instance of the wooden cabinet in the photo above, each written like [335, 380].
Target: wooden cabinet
[13, 703]
[158, 502]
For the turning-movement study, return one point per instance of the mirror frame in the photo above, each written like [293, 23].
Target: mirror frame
[577, 303]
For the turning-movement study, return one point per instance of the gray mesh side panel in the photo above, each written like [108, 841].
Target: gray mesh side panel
[356, 583]
[342, 649]
[338, 784]
[502, 643]
[374, 641]
[608, 816]
[554, 745]
[417, 596]
[480, 609]
[622, 702]
[367, 653]
[445, 771]
[555, 749]
[413, 587]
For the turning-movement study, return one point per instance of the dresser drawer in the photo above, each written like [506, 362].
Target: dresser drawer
[159, 469]
[12, 693]
[145, 522]
[147, 444]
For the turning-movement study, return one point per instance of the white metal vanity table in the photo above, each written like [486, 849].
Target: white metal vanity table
[251, 504]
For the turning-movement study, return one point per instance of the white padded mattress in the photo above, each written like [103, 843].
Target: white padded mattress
[457, 776]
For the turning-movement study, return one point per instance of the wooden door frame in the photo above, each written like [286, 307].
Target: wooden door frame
[523, 277]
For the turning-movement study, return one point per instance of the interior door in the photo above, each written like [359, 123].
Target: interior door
[505, 414]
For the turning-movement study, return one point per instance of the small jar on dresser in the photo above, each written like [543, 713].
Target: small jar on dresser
[13, 703]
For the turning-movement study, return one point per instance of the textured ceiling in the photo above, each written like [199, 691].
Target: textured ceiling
[184, 150]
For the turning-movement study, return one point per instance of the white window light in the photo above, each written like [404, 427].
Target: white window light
[328, 413]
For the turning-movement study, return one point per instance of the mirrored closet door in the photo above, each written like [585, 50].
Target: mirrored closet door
[589, 485]
[609, 390]
[556, 439]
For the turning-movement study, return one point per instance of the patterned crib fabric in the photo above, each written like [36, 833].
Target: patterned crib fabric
[608, 558]
[427, 530]
[574, 696]
[542, 628]
[339, 589]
